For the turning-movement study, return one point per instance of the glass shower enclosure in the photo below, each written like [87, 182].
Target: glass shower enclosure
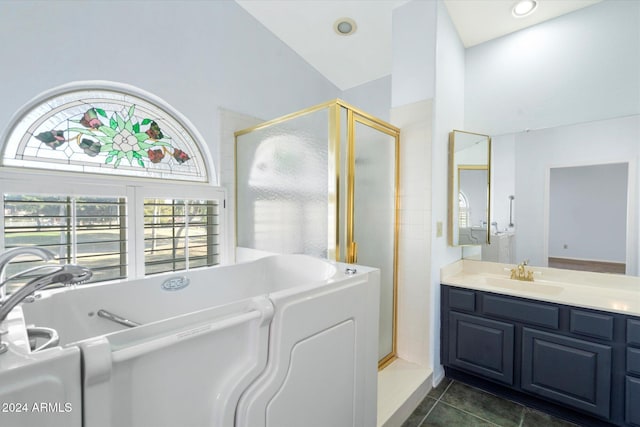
[324, 182]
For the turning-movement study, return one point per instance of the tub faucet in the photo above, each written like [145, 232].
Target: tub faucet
[67, 274]
[7, 256]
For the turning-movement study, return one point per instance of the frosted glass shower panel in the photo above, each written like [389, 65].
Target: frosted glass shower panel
[282, 186]
[374, 217]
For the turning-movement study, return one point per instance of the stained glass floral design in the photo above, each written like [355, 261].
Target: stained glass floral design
[109, 129]
[53, 138]
[124, 138]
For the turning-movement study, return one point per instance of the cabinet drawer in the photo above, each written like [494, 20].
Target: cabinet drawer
[462, 299]
[481, 346]
[633, 361]
[567, 370]
[633, 332]
[524, 311]
[592, 324]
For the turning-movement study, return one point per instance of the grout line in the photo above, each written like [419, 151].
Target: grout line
[445, 390]
[427, 414]
[471, 413]
[522, 417]
[440, 397]
[434, 405]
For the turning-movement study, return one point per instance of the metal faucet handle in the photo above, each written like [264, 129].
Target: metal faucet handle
[520, 272]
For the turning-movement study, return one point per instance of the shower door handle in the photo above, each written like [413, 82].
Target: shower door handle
[353, 253]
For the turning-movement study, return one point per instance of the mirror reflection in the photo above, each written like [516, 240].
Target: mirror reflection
[469, 188]
[566, 197]
[579, 197]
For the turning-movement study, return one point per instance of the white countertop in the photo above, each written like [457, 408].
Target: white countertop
[599, 291]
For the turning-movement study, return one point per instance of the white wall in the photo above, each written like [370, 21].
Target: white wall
[503, 180]
[413, 48]
[196, 55]
[588, 212]
[427, 104]
[579, 67]
[373, 97]
[448, 115]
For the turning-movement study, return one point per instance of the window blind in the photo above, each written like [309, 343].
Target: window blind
[180, 234]
[90, 231]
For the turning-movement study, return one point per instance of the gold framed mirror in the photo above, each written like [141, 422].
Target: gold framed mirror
[469, 188]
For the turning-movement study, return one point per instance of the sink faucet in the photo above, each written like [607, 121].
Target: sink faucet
[67, 274]
[520, 272]
[7, 256]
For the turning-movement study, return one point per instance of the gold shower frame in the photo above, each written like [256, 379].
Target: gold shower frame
[354, 115]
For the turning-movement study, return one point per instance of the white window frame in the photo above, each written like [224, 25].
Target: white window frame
[15, 177]
[181, 192]
[50, 182]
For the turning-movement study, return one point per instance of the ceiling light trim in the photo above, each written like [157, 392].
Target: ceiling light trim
[345, 26]
[524, 8]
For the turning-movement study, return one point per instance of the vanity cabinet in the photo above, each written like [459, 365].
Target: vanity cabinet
[575, 362]
[632, 377]
[567, 370]
[482, 346]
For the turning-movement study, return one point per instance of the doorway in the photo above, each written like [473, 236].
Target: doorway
[588, 217]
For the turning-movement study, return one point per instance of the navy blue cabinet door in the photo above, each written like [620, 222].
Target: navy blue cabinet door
[482, 346]
[567, 370]
[632, 399]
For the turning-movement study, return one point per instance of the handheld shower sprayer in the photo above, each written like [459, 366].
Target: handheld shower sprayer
[67, 274]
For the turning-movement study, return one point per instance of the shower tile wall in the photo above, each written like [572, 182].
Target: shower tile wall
[414, 251]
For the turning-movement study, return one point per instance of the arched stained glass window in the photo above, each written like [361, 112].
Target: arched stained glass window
[107, 128]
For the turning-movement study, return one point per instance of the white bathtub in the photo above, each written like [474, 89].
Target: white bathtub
[287, 340]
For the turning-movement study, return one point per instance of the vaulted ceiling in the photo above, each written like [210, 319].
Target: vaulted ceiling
[307, 26]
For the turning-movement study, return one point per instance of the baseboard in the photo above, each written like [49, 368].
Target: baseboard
[587, 265]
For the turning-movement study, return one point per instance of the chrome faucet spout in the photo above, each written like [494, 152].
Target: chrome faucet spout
[68, 274]
[10, 254]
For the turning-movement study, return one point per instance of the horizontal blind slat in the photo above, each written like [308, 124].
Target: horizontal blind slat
[100, 230]
[170, 224]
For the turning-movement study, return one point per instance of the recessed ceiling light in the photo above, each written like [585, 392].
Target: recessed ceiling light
[345, 26]
[524, 8]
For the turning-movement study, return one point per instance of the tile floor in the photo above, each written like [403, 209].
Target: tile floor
[454, 404]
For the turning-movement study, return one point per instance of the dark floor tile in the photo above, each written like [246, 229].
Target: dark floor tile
[436, 392]
[484, 405]
[443, 415]
[419, 413]
[533, 418]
